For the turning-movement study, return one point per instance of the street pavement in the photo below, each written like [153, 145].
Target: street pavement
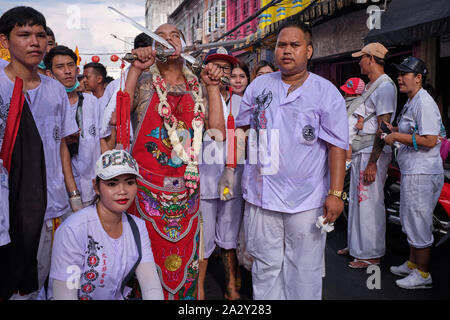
[344, 283]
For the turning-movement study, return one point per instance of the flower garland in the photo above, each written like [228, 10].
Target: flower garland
[191, 175]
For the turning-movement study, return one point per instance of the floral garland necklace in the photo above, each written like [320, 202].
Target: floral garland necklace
[189, 157]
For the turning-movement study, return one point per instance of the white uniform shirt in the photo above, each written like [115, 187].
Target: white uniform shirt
[83, 164]
[3, 63]
[4, 189]
[50, 107]
[213, 157]
[383, 100]
[4, 206]
[81, 244]
[287, 168]
[422, 111]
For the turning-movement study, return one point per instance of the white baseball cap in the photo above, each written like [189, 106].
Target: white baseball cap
[113, 163]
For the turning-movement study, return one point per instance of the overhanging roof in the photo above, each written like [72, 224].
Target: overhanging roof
[408, 21]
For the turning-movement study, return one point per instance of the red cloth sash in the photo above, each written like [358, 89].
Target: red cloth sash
[12, 125]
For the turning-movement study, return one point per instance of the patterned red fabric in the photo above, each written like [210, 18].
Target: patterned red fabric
[171, 214]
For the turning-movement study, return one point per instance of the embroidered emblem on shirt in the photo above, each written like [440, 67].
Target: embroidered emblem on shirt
[262, 103]
[4, 109]
[90, 275]
[56, 133]
[308, 133]
[92, 130]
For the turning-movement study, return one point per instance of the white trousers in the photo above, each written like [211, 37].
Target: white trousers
[367, 214]
[419, 194]
[221, 223]
[44, 258]
[288, 253]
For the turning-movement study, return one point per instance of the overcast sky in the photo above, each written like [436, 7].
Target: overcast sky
[87, 24]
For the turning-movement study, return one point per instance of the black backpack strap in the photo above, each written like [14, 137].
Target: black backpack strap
[137, 239]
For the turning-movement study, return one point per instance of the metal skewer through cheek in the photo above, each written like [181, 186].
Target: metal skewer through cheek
[197, 66]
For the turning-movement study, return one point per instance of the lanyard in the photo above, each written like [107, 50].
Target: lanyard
[79, 114]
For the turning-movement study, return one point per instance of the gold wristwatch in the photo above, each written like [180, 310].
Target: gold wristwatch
[340, 194]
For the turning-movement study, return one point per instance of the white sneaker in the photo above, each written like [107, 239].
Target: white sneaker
[415, 281]
[402, 270]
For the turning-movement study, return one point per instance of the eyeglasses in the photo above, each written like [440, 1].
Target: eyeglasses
[225, 69]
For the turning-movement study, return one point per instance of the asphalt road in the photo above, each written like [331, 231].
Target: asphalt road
[344, 283]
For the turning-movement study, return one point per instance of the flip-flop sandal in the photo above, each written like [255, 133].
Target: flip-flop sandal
[361, 264]
[343, 252]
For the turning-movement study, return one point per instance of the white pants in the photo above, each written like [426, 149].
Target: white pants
[288, 253]
[221, 223]
[44, 258]
[419, 194]
[367, 214]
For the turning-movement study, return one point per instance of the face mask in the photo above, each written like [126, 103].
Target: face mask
[42, 65]
[76, 85]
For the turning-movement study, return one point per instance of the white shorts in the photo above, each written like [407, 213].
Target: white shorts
[419, 194]
[221, 223]
[288, 251]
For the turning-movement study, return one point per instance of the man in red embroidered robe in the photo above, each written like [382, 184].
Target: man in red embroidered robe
[167, 201]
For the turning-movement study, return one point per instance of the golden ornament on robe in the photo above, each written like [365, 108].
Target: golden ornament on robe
[173, 262]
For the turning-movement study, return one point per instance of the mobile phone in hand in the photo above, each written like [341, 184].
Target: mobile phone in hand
[385, 128]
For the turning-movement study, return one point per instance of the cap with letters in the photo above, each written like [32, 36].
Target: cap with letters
[114, 163]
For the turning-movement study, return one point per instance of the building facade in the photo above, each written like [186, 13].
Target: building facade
[237, 12]
[188, 17]
[157, 12]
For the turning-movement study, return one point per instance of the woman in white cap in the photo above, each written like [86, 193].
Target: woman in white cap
[421, 169]
[98, 249]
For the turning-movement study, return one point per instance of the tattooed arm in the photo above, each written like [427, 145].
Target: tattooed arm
[142, 95]
[378, 145]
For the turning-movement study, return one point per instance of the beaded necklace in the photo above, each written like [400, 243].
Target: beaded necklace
[189, 156]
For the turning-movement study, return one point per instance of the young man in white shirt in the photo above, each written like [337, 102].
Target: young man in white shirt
[84, 150]
[367, 217]
[295, 170]
[22, 31]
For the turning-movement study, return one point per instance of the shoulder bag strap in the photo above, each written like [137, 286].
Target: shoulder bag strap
[137, 239]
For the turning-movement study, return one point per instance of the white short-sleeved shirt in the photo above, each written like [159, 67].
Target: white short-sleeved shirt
[422, 111]
[287, 169]
[213, 159]
[383, 100]
[3, 63]
[82, 244]
[4, 206]
[50, 107]
[83, 164]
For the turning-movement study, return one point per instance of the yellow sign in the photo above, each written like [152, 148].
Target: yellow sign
[4, 54]
[281, 11]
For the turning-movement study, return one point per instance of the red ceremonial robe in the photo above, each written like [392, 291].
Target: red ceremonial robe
[171, 214]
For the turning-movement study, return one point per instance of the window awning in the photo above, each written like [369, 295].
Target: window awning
[408, 21]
